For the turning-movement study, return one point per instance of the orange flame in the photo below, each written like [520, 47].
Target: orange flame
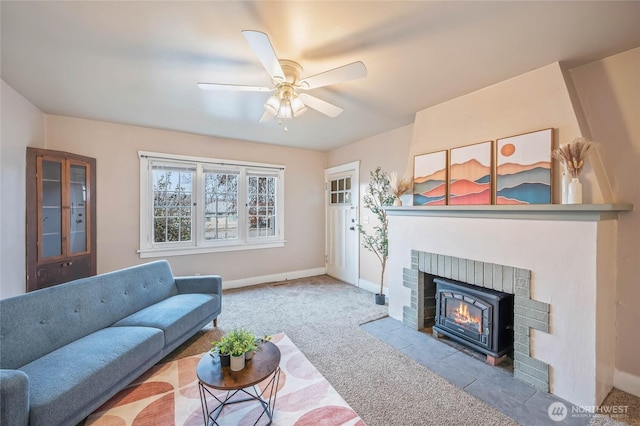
[462, 316]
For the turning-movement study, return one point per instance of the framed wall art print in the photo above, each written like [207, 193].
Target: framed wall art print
[523, 168]
[430, 179]
[470, 174]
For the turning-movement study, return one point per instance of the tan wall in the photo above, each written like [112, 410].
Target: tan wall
[116, 146]
[388, 150]
[22, 126]
[609, 92]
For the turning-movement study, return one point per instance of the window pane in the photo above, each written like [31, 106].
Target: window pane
[173, 204]
[221, 206]
[340, 192]
[261, 199]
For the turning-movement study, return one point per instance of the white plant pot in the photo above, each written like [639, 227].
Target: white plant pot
[237, 362]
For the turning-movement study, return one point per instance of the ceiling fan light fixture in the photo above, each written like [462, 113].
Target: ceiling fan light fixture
[273, 105]
[297, 107]
[285, 109]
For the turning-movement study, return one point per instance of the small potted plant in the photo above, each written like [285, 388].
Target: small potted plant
[233, 348]
[238, 349]
[222, 350]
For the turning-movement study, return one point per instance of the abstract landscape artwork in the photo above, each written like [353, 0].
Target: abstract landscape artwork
[523, 168]
[430, 179]
[470, 174]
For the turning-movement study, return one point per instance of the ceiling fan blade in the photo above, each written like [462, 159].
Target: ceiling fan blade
[348, 72]
[237, 87]
[266, 116]
[261, 46]
[319, 105]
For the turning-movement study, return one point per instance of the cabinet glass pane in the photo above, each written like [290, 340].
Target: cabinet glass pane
[51, 170]
[51, 209]
[78, 211]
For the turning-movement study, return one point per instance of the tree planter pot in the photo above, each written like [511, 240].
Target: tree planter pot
[380, 299]
[237, 362]
[249, 354]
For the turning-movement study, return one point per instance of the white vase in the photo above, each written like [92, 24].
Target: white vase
[566, 179]
[237, 362]
[574, 195]
[397, 201]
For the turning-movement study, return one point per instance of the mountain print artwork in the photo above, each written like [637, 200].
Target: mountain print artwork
[430, 179]
[470, 174]
[523, 172]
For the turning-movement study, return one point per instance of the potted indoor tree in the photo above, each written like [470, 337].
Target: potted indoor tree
[378, 195]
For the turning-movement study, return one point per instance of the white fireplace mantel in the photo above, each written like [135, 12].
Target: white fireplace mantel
[571, 253]
[573, 212]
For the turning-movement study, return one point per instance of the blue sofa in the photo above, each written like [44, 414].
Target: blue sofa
[65, 350]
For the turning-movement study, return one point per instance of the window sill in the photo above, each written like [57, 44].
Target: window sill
[181, 251]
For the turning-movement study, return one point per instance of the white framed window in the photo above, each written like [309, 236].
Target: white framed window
[197, 205]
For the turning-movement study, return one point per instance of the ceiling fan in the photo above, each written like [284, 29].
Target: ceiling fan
[287, 102]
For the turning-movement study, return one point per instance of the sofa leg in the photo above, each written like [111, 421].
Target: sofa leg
[215, 322]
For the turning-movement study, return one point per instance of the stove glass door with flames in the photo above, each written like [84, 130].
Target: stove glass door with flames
[466, 317]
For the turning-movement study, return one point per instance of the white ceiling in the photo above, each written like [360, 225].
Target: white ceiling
[138, 62]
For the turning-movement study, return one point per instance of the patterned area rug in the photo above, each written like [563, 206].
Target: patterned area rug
[168, 394]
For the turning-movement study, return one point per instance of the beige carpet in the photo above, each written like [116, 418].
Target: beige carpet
[322, 317]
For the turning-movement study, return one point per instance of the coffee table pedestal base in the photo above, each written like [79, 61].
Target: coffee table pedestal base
[237, 397]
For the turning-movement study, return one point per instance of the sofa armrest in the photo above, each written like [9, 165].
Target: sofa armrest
[207, 284]
[14, 398]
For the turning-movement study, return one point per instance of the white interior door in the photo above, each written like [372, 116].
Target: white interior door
[342, 238]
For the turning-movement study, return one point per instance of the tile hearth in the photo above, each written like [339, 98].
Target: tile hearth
[496, 386]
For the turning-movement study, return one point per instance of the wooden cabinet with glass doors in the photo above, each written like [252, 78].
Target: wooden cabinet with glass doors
[61, 217]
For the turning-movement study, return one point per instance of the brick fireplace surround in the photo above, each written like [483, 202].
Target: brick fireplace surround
[528, 313]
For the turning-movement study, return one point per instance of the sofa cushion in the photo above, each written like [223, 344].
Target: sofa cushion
[176, 315]
[98, 362]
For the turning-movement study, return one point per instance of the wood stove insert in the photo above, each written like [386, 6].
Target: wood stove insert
[477, 317]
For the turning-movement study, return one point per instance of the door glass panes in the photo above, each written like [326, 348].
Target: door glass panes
[78, 208]
[340, 191]
[261, 206]
[221, 206]
[51, 210]
[172, 204]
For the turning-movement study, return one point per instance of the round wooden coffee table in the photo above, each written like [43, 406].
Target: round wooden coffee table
[240, 385]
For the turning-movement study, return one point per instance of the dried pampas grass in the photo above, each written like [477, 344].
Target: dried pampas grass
[397, 186]
[573, 154]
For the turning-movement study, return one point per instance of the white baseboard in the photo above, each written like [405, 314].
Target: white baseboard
[626, 382]
[372, 287]
[284, 276]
